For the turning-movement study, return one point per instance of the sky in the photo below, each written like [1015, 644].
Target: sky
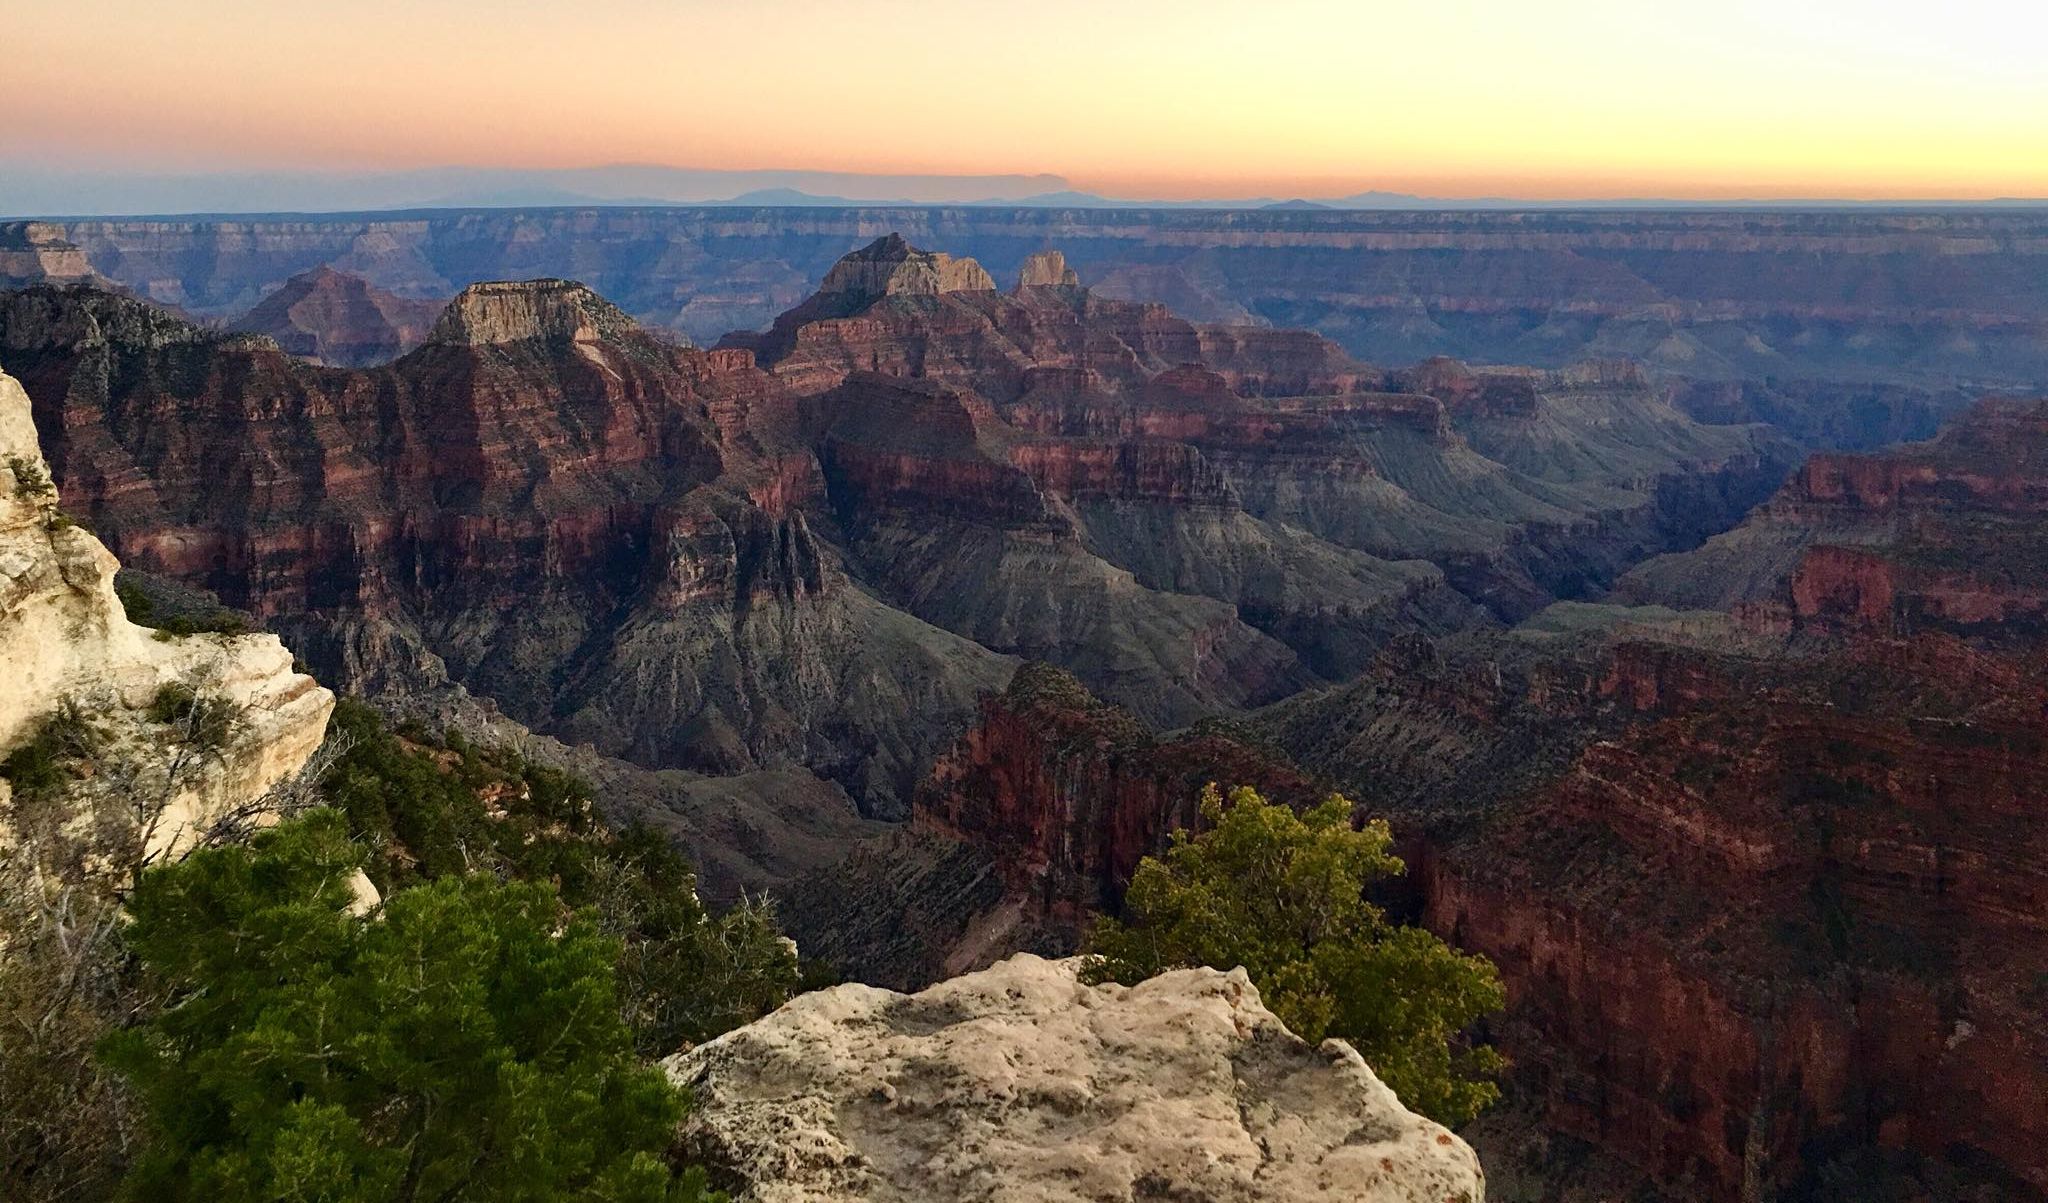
[1554, 99]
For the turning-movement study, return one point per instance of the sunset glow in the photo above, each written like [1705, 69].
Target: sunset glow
[1592, 98]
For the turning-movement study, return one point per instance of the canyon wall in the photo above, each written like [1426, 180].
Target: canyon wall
[818, 546]
[1853, 327]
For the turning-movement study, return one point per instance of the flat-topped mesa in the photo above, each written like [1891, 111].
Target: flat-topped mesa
[513, 311]
[1046, 269]
[35, 252]
[890, 266]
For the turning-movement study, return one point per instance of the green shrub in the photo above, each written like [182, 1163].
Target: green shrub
[465, 1044]
[418, 805]
[29, 478]
[1284, 896]
[204, 721]
[65, 741]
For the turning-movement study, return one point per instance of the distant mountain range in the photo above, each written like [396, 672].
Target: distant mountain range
[31, 191]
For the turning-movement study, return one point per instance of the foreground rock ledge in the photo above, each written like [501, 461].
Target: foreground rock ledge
[1019, 1083]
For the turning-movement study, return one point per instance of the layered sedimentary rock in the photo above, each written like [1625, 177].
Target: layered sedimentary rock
[330, 317]
[1047, 269]
[1766, 888]
[600, 531]
[1019, 1082]
[1821, 316]
[35, 252]
[1083, 481]
[507, 313]
[1027, 827]
[1764, 943]
[1938, 536]
[1072, 793]
[817, 545]
[891, 267]
[67, 644]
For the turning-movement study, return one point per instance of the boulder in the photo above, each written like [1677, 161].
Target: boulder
[1021, 1083]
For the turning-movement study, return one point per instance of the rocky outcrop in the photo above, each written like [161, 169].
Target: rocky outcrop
[334, 318]
[1019, 1082]
[890, 266]
[1046, 269]
[67, 644]
[521, 311]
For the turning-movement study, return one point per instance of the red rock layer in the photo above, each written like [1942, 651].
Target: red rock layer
[1069, 794]
[1807, 910]
[1947, 535]
[334, 318]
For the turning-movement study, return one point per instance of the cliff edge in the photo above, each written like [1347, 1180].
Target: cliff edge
[68, 646]
[1021, 1083]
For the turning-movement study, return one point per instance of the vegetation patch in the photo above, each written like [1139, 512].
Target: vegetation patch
[59, 750]
[29, 478]
[1286, 897]
[205, 721]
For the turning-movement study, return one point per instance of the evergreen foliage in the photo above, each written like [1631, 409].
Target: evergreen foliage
[1284, 896]
[685, 975]
[464, 1043]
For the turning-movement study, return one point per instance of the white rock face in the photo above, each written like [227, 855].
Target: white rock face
[64, 637]
[1021, 1084]
[1046, 269]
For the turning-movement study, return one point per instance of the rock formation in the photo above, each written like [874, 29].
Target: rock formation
[334, 318]
[1025, 829]
[503, 313]
[890, 266]
[818, 545]
[1263, 469]
[1944, 535]
[36, 252]
[1764, 886]
[1047, 269]
[1848, 327]
[65, 641]
[1021, 1083]
[602, 532]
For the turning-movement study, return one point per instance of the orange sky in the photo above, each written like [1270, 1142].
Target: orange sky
[1569, 98]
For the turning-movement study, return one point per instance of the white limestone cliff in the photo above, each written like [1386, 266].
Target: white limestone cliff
[65, 640]
[1020, 1083]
